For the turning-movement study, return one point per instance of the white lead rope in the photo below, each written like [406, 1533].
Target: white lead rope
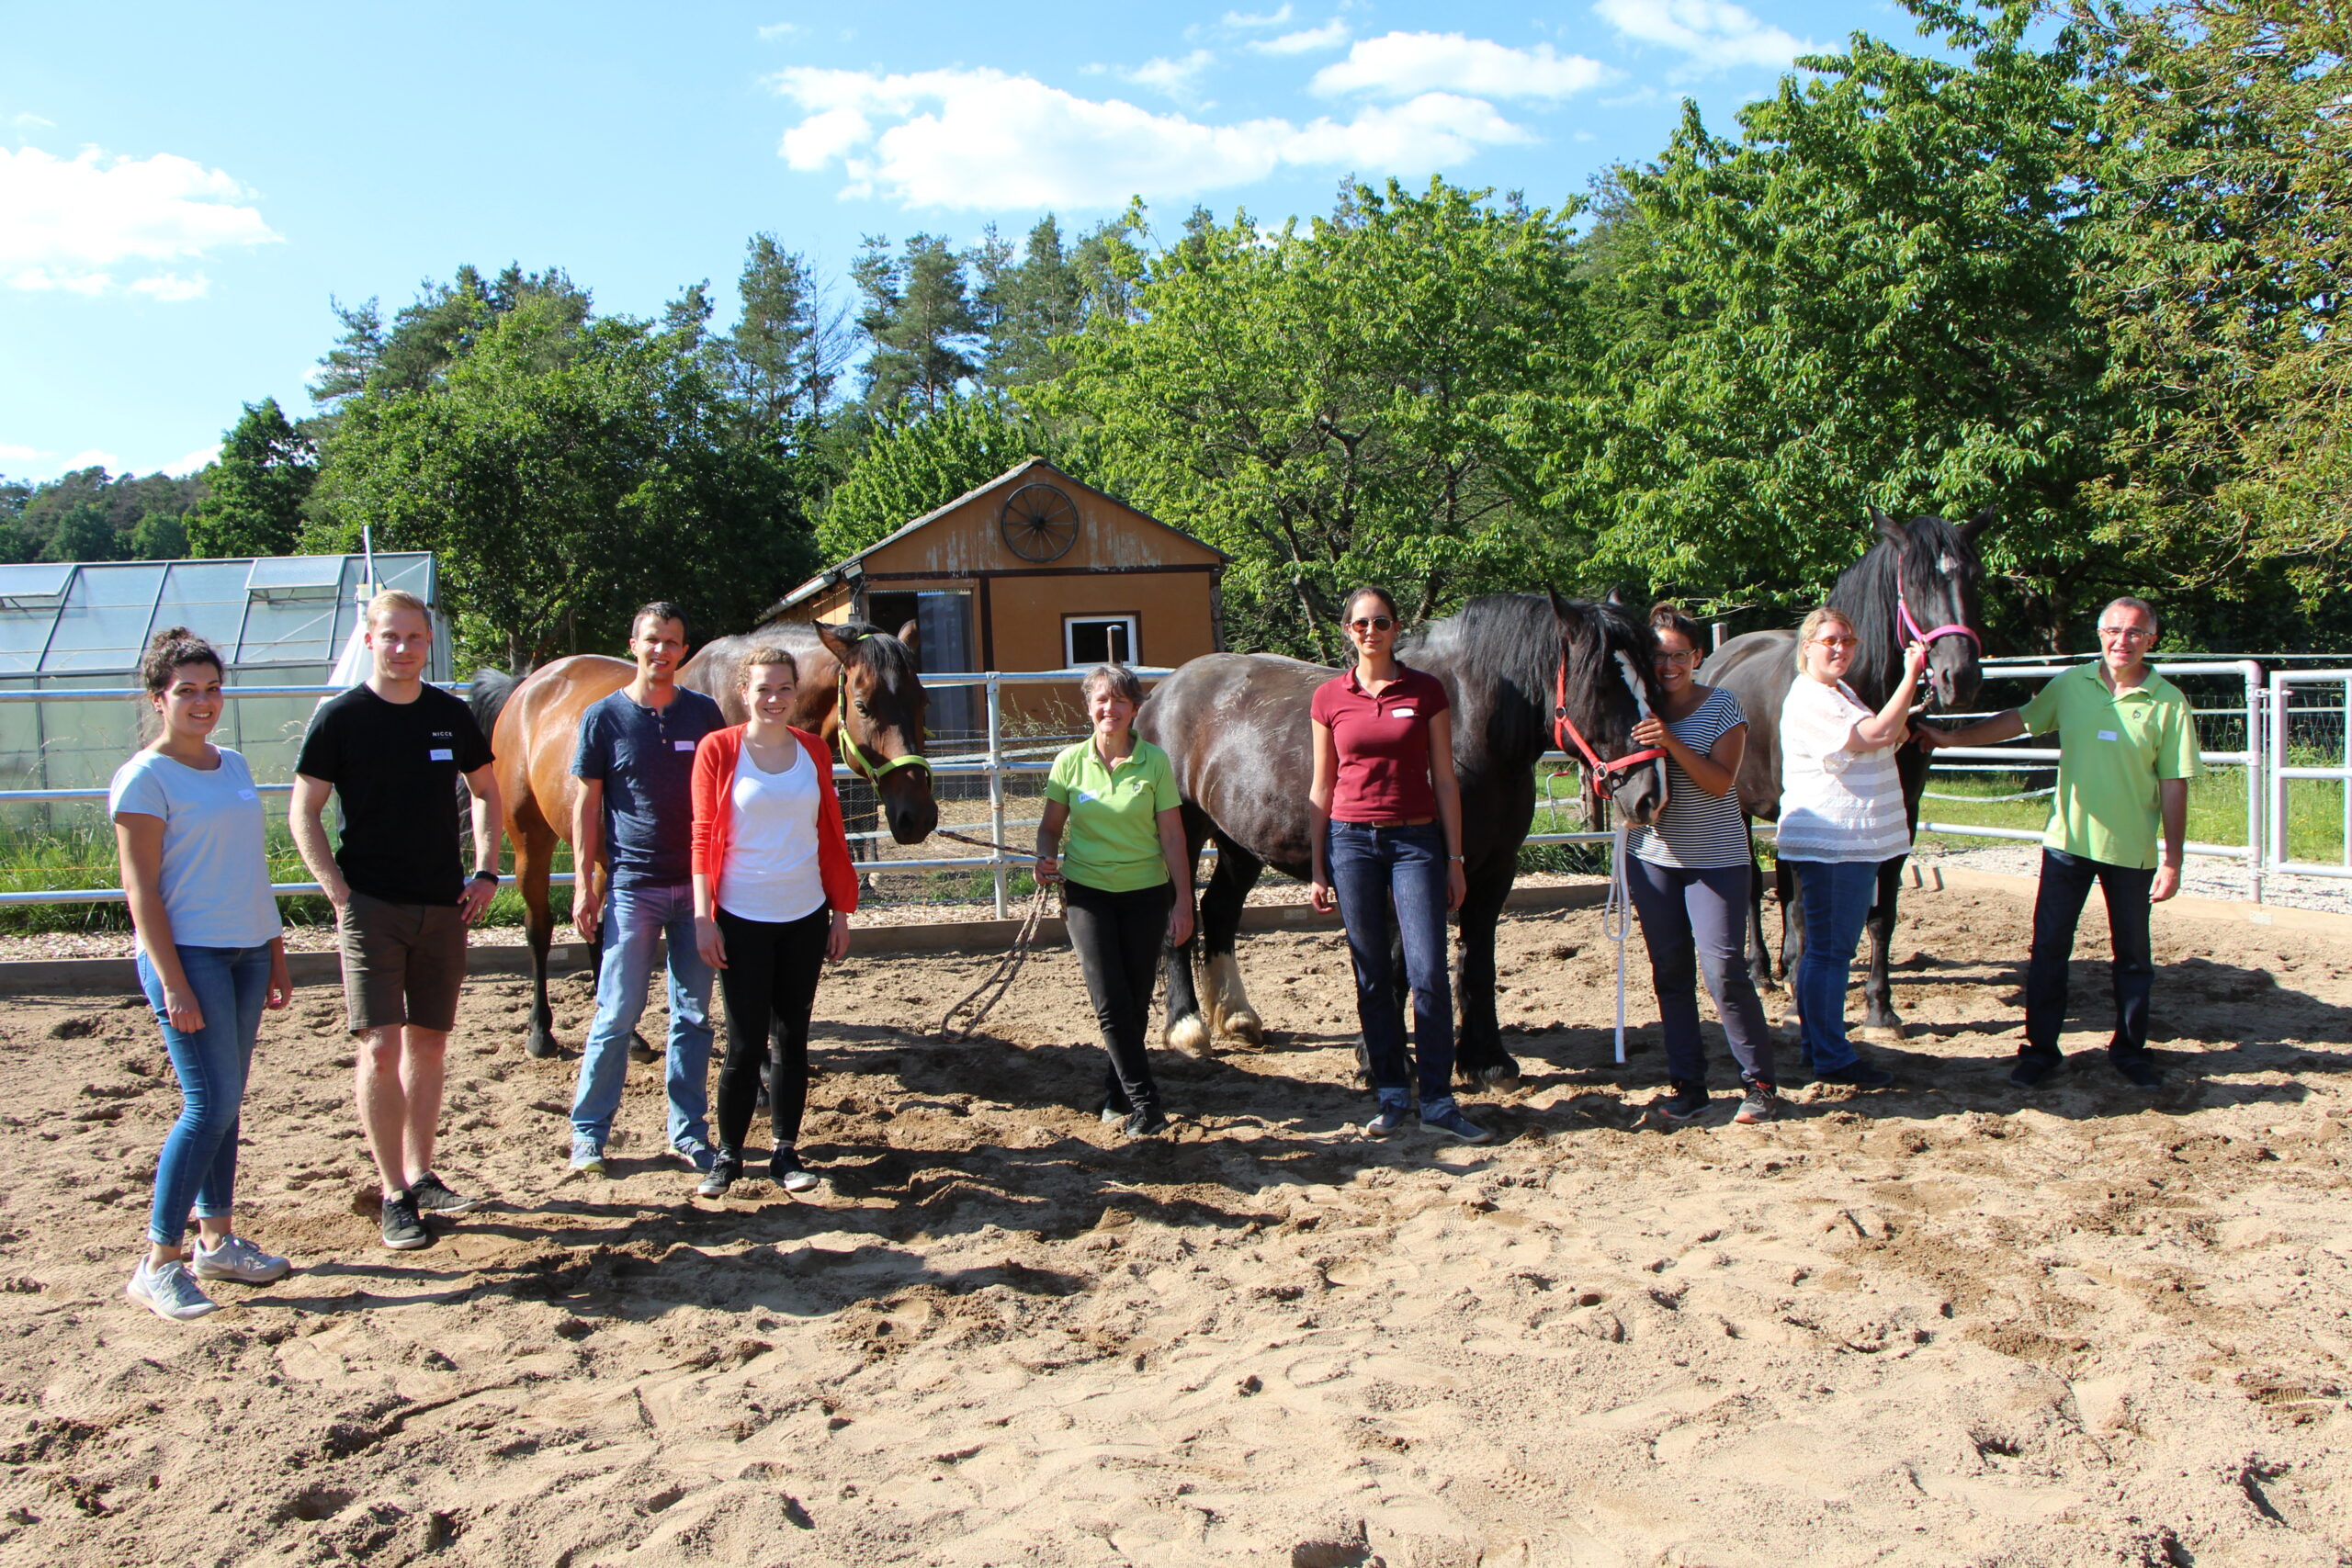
[1617, 924]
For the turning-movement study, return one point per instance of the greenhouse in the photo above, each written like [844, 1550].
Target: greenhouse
[280, 621]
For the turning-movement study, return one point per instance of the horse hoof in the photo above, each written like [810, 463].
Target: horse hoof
[640, 1052]
[1190, 1035]
[1503, 1076]
[1879, 1033]
[540, 1046]
[1243, 1025]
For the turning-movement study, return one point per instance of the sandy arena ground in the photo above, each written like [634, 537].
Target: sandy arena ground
[1931, 1325]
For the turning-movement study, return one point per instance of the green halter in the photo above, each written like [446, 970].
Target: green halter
[854, 755]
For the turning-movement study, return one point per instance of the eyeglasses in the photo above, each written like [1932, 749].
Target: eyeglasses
[1689, 656]
[1376, 624]
[1837, 641]
[2133, 634]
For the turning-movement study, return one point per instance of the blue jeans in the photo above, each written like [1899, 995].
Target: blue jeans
[1375, 870]
[1836, 897]
[635, 918]
[198, 1165]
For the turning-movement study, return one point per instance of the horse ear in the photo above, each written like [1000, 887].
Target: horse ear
[1889, 529]
[910, 634]
[1559, 605]
[842, 647]
[1984, 517]
[1617, 597]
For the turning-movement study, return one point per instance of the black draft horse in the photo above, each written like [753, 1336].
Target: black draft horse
[1921, 579]
[1237, 728]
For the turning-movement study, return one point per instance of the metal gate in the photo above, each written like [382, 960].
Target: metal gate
[2308, 713]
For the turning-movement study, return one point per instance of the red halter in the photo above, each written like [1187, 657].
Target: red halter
[1565, 730]
[1915, 632]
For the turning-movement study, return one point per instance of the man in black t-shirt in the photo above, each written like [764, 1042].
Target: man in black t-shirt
[391, 750]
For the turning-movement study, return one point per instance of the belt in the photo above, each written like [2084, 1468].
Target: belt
[1386, 821]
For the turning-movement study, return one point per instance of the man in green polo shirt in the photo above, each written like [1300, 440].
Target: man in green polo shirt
[2127, 748]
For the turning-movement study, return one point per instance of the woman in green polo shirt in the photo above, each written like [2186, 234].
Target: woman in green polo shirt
[1127, 881]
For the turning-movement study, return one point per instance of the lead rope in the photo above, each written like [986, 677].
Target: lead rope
[1008, 964]
[1617, 924]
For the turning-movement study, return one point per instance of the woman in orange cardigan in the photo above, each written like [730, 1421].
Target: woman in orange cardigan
[773, 892]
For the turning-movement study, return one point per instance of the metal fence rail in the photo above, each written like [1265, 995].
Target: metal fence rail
[2261, 723]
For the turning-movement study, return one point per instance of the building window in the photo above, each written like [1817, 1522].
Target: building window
[1089, 640]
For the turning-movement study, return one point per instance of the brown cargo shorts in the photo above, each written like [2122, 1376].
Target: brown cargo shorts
[402, 963]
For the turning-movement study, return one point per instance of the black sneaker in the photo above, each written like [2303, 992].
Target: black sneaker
[403, 1226]
[1684, 1100]
[1857, 1073]
[1761, 1104]
[2035, 1068]
[1146, 1122]
[2138, 1070]
[432, 1196]
[724, 1170]
[784, 1170]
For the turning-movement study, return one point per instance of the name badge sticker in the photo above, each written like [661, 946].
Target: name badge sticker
[1402, 713]
[682, 745]
[2109, 735]
[442, 754]
[247, 795]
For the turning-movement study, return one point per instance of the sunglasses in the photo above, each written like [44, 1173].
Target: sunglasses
[1376, 624]
[1837, 641]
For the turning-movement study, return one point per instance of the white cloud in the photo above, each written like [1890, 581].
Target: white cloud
[203, 456]
[172, 288]
[1330, 35]
[986, 139]
[11, 453]
[94, 458]
[1270, 19]
[776, 31]
[1714, 34]
[1177, 78]
[33, 122]
[1400, 64]
[71, 219]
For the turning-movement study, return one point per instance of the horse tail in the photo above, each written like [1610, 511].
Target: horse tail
[490, 689]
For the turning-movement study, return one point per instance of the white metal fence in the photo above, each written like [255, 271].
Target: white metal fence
[2278, 732]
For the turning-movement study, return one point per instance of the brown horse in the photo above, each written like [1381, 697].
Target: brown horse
[853, 677]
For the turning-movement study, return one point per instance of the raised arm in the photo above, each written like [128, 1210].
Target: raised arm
[1983, 732]
[1891, 726]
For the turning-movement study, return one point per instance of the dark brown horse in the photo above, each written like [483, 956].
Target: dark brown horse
[1919, 578]
[1238, 730]
[855, 677]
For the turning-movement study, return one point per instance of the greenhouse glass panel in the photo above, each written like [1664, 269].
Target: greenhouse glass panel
[103, 625]
[207, 597]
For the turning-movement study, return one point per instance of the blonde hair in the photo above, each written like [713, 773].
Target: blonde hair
[762, 658]
[392, 598]
[1812, 623]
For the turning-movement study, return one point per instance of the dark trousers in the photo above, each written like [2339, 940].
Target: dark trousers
[1695, 921]
[1375, 871]
[771, 975]
[1118, 938]
[2057, 906]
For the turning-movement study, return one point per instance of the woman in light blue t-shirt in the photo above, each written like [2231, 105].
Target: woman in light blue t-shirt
[190, 826]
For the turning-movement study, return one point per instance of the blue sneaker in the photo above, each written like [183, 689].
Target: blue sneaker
[1446, 1117]
[1386, 1120]
[698, 1155]
[586, 1157]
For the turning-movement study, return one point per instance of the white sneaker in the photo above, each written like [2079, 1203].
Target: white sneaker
[170, 1291]
[237, 1258]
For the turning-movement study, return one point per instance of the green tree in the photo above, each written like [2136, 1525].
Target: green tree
[432, 330]
[159, 537]
[918, 318]
[1030, 307]
[2223, 170]
[1869, 296]
[788, 346]
[83, 531]
[564, 472]
[912, 464]
[260, 484]
[1350, 400]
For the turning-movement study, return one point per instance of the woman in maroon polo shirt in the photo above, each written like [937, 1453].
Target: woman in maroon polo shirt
[1387, 830]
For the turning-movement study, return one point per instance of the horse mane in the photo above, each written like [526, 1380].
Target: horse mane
[881, 653]
[1513, 642]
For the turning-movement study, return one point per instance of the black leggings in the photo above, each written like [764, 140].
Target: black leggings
[1118, 937]
[771, 974]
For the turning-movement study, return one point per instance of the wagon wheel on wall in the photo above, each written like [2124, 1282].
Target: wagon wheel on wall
[1039, 522]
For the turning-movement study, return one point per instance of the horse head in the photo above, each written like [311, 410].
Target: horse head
[1939, 596]
[878, 720]
[1607, 683]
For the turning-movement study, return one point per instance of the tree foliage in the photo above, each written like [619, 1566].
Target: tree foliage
[911, 465]
[260, 484]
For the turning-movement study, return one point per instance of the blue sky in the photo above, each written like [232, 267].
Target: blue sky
[180, 196]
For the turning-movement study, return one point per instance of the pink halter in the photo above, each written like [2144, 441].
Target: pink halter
[1915, 632]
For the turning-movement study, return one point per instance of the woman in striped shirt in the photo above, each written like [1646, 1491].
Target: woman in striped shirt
[1841, 813]
[1689, 875]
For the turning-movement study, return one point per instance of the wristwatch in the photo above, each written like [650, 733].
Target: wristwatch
[489, 876]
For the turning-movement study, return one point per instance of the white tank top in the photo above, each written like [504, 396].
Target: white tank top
[771, 872]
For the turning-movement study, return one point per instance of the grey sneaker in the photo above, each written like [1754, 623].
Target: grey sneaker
[170, 1291]
[586, 1157]
[1761, 1104]
[697, 1155]
[433, 1197]
[1386, 1120]
[1683, 1100]
[1446, 1117]
[403, 1226]
[239, 1259]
